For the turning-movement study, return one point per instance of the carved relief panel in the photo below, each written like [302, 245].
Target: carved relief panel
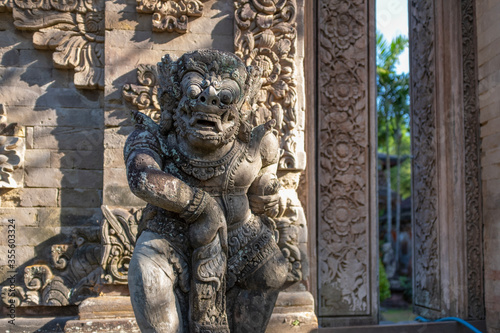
[427, 292]
[73, 29]
[345, 192]
[170, 15]
[446, 182]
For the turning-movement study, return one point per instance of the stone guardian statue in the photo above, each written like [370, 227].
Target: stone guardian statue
[206, 258]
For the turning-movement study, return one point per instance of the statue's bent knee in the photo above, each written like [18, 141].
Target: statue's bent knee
[151, 284]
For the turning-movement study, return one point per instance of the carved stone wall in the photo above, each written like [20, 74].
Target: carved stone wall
[347, 287]
[424, 149]
[73, 29]
[447, 217]
[266, 35]
[170, 15]
[473, 196]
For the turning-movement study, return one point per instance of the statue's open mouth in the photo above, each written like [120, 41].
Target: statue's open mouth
[206, 122]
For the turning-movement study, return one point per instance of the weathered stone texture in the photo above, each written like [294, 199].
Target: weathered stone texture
[36, 197]
[489, 73]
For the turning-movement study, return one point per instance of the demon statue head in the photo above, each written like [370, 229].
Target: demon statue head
[207, 96]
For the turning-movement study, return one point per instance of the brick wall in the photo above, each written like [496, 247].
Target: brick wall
[488, 43]
[62, 185]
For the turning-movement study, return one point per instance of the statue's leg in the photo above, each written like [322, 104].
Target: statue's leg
[207, 295]
[251, 302]
[151, 284]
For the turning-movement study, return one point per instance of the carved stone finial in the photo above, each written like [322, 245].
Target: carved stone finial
[171, 15]
[144, 95]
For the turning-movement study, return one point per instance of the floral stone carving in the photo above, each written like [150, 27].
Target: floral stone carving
[343, 229]
[12, 150]
[265, 36]
[171, 15]
[74, 29]
[207, 251]
[427, 289]
[475, 285]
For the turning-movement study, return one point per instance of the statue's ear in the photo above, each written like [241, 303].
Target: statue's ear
[169, 92]
[165, 122]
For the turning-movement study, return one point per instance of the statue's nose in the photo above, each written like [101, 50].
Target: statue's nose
[209, 96]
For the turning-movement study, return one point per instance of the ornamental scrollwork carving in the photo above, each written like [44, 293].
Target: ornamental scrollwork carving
[12, 149]
[266, 36]
[73, 29]
[343, 234]
[118, 235]
[73, 274]
[427, 289]
[144, 96]
[473, 198]
[171, 15]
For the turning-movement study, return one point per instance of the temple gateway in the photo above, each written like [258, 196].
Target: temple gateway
[233, 145]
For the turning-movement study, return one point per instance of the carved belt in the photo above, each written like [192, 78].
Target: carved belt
[215, 191]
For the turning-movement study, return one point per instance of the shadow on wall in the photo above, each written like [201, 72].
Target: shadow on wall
[57, 208]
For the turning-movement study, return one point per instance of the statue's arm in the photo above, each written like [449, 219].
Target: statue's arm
[148, 182]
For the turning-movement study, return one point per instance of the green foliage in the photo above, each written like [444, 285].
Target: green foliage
[393, 108]
[407, 288]
[384, 286]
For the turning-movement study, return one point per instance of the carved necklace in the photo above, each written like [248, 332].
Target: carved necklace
[200, 169]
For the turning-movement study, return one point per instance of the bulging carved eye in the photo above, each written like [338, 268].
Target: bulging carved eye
[226, 96]
[193, 91]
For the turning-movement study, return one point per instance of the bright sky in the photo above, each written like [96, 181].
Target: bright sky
[392, 20]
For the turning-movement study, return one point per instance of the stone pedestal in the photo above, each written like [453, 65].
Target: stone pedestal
[112, 314]
[294, 312]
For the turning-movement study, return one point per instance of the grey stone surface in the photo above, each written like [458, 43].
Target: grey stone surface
[74, 138]
[39, 197]
[83, 159]
[69, 197]
[71, 178]
[37, 158]
[74, 117]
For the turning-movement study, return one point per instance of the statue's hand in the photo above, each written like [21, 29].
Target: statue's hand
[204, 229]
[265, 204]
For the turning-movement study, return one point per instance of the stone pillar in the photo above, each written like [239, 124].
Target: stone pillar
[346, 164]
[488, 52]
[445, 147]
